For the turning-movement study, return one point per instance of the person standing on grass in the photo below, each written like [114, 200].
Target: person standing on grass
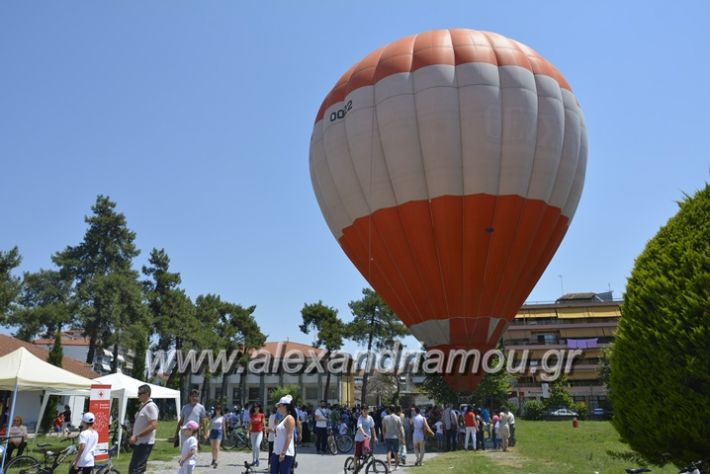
[511, 423]
[216, 434]
[421, 429]
[144, 426]
[469, 420]
[188, 455]
[504, 430]
[257, 428]
[393, 434]
[88, 439]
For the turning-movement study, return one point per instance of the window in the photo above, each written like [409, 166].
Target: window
[218, 394]
[546, 338]
[312, 393]
[254, 394]
[236, 397]
[333, 391]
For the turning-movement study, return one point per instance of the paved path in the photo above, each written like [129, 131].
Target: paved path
[232, 462]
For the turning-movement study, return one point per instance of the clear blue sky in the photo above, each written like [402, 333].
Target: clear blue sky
[196, 118]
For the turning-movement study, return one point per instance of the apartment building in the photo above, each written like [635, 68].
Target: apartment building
[583, 321]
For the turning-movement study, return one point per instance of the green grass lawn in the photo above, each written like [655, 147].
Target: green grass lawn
[547, 447]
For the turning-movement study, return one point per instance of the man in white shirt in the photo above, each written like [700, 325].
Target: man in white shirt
[144, 428]
[321, 416]
[451, 427]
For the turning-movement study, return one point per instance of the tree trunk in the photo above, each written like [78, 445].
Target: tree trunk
[327, 378]
[92, 350]
[366, 372]
[114, 362]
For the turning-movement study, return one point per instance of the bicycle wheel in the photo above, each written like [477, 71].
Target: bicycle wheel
[345, 443]
[332, 445]
[376, 466]
[113, 470]
[23, 465]
[228, 442]
[349, 465]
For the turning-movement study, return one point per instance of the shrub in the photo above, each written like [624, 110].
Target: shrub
[659, 366]
[533, 410]
[581, 409]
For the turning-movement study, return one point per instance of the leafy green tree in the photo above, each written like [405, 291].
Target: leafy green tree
[55, 357]
[106, 288]
[493, 390]
[374, 326]
[559, 394]
[659, 367]
[435, 387]
[56, 354]
[278, 392]
[330, 331]
[43, 306]
[9, 284]
[240, 332]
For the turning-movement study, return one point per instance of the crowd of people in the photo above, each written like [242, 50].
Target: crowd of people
[402, 430]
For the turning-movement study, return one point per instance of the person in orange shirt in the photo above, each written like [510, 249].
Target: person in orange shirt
[469, 421]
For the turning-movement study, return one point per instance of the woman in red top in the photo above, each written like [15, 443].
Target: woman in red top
[469, 420]
[256, 431]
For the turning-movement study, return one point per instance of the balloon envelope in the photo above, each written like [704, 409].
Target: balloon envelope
[448, 165]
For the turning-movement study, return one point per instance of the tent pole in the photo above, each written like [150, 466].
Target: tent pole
[9, 424]
[45, 401]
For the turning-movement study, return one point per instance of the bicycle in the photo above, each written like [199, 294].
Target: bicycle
[695, 467]
[368, 462]
[339, 443]
[27, 464]
[236, 438]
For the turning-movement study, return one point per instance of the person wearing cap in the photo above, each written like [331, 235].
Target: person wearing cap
[143, 439]
[188, 455]
[88, 439]
[282, 457]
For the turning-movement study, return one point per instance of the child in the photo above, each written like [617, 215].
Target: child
[188, 456]
[88, 439]
[439, 425]
[58, 424]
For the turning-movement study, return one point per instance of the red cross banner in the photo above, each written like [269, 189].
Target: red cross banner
[100, 406]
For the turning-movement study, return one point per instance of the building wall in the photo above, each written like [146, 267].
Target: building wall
[540, 328]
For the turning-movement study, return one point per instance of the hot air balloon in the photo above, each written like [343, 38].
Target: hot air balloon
[448, 165]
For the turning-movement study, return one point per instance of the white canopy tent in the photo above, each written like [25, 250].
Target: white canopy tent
[124, 387]
[20, 370]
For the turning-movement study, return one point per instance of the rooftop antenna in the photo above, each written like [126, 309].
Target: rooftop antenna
[562, 285]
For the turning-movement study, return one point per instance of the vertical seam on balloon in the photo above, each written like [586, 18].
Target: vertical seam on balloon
[497, 194]
[410, 252]
[370, 215]
[576, 169]
[426, 184]
[525, 235]
[463, 183]
[415, 305]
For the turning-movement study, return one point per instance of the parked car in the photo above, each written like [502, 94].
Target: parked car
[564, 412]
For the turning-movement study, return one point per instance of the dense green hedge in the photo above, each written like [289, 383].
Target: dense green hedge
[660, 365]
